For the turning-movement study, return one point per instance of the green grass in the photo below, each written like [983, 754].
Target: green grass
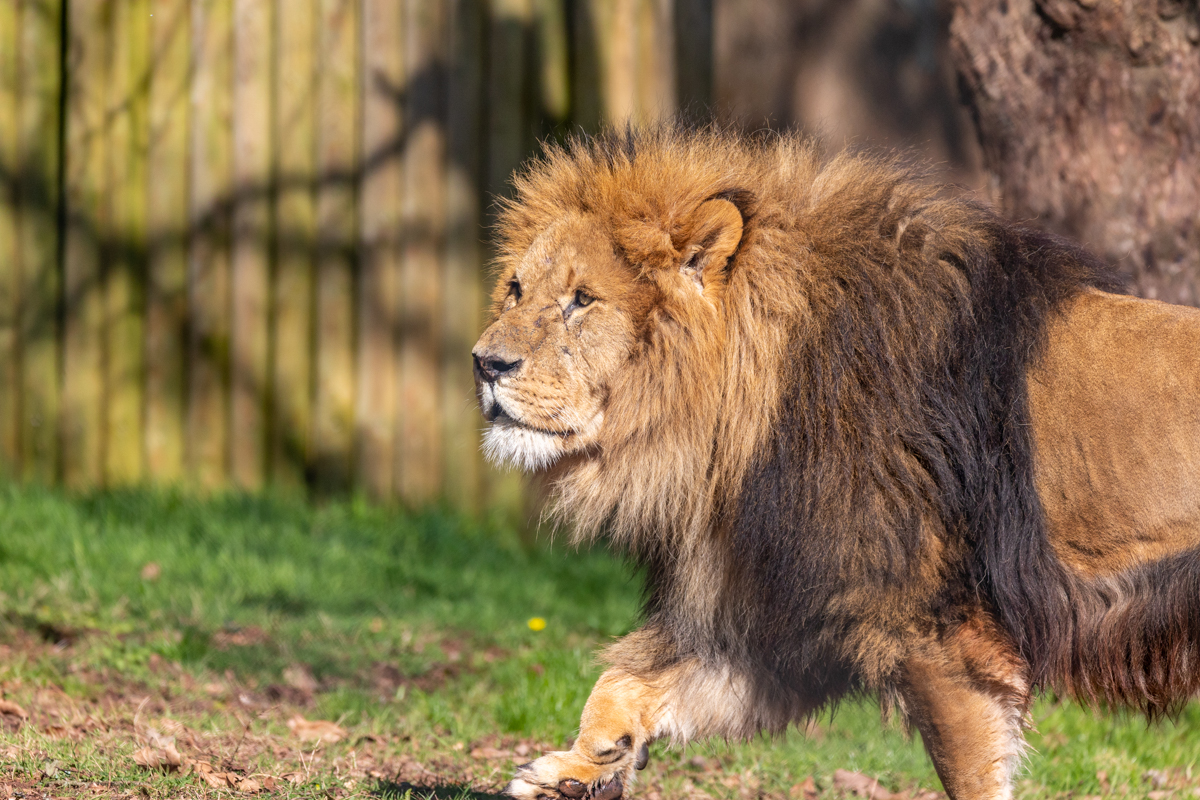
[248, 587]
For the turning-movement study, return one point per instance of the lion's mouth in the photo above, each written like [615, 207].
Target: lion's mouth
[496, 415]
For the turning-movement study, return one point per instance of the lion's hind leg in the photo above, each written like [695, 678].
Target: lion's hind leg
[968, 695]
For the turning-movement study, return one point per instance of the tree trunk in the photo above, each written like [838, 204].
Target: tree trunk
[1089, 116]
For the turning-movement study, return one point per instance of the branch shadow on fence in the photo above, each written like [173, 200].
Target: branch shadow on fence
[242, 247]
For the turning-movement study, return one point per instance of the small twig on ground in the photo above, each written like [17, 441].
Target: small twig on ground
[228, 762]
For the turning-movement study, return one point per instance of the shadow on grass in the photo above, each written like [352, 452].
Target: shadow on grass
[392, 790]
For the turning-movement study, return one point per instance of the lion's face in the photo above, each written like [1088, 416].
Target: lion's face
[570, 318]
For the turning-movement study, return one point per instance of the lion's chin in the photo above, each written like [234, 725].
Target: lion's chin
[507, 443]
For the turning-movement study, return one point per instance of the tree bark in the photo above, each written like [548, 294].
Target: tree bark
[1088, 112]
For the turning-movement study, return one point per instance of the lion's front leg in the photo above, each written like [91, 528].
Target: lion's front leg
[625, 713]
[615, 732]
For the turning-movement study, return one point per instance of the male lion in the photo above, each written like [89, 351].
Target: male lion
[862, 436]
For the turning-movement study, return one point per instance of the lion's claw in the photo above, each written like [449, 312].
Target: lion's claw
[610, 791]
[572, 788]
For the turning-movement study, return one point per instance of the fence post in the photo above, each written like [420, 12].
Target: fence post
[167, 235]
[10, 265]
[208, 251]
[463, 268]
[337, 154]
[253, 40]
[87, 221]
[125, 270]
[41, 69]
[508, 135]
[292, 335]
[424, 226]
[383, 91]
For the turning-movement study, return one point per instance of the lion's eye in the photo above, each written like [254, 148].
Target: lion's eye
[582, 298]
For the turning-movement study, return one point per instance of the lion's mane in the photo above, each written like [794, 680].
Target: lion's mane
[843, 458]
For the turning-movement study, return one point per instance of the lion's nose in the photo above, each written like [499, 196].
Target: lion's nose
[491, 368]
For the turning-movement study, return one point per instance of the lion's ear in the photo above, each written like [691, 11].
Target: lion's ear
[712, 235]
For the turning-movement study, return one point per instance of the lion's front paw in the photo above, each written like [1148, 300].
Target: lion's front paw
[570, 776]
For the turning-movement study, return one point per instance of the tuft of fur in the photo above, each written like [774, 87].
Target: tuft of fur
[828, 453]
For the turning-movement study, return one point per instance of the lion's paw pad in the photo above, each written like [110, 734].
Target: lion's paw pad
[567, 789]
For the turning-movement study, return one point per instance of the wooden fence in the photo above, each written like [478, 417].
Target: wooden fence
[242, 241]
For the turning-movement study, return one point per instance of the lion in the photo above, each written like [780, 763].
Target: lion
[863, 436]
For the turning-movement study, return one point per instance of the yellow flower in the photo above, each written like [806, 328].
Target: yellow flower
[537, 624]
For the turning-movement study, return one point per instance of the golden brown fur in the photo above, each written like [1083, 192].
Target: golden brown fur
[861, 435]
[1115, 404]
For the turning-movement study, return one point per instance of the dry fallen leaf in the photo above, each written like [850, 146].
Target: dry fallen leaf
[217, 780]
[60, 732]
[316, 730]
[159, 753]
[165, 758]
[1156, 778]
[490, 752]
[804, 790]
[13, 710]
[860, 785]
[249, 786]
[298, 676]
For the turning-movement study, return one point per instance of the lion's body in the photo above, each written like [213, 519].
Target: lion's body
[1115, 406]
[864, 437]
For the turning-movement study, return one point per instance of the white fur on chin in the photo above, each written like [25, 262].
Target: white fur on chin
[506, 443]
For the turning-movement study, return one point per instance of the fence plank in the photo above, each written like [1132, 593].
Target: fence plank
[379, 220]
[506, 144]
[507, 91]
[125, 270]
[653, 66]
[554, 74]
[337, 92]
[587, 101]
[86, 219]
[463, 268]
[208, 256]
[424, 216]
[167, 223]
[251, 279]
[693, 57]
[41, 367]
[618, 49]
[295, 219]
[10, 265]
